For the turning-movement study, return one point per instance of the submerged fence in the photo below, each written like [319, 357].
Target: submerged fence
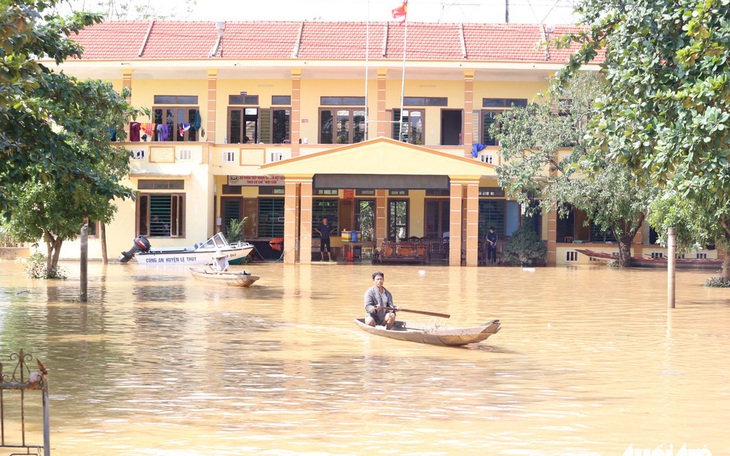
[16, 379]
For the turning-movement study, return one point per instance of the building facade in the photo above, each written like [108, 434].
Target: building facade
[380, 128]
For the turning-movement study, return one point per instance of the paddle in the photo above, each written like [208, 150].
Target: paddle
[424, 312]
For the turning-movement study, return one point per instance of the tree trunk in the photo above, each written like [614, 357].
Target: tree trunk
[624, 251]
[53, 244]
[726, 267]
[102, 230]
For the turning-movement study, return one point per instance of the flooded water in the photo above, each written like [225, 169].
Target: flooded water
[589, 361]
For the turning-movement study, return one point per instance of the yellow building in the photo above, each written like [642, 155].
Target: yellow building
[289, 122]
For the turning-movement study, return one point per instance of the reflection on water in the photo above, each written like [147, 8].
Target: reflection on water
[589, 361]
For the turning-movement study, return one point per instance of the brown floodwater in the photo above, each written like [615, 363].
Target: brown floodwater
[589, 361]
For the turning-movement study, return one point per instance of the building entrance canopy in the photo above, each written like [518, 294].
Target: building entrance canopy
[390, 159]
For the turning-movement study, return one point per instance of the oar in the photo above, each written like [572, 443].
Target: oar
[424, 312]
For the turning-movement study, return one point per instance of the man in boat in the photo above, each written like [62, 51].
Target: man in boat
[379, 304]
[324, 229]
[220, 261]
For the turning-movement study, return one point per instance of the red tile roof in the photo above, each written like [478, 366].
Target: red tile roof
[124, 40]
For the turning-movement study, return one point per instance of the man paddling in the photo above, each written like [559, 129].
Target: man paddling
[379, 304]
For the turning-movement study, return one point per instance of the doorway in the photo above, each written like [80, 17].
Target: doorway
[451, 125]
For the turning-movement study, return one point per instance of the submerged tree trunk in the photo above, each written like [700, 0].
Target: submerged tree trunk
[624, 251]
[53, 245]
[625, 232]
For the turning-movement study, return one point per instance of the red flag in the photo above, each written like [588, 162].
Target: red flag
[401, 11]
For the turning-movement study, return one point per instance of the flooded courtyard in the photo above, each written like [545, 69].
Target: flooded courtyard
[589, 361]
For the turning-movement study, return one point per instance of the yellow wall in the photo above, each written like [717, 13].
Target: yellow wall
[205, 172]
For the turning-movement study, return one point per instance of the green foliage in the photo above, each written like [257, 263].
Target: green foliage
[133, 9]
[235, 231]
[719, 282]
[37, 268]
[666, 110]
[6, 239]
[524, 248]
[58, 164]
[548, 164]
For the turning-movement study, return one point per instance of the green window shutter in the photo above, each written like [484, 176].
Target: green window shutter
[265, 126]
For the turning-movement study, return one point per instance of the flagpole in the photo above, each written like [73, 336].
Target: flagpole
[367, 62]
[403, 79]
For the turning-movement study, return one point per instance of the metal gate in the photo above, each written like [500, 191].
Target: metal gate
[16, 379]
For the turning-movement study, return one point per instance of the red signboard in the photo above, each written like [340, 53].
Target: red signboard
[349, 193]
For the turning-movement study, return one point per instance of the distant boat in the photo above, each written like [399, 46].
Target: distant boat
[232, 279]
[143, 252]
[432, 334]
[682, 263]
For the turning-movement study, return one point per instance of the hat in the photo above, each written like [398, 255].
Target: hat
[218, 254]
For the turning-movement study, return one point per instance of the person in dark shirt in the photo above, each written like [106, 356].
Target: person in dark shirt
[491, 246]
[324, 230]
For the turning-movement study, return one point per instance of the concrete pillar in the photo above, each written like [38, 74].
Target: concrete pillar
[455, 217]
[291, 216]
[381, 217]
[296, 110]
[468, 135]
[210, 133]
[382, 117]
[127, 84]
[472, 224]
[305, 223]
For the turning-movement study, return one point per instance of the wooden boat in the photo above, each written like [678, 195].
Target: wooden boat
[682, 263]
[143, 252]
[232, 279]
[433, 334]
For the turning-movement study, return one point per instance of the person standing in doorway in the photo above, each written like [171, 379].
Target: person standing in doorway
[324, 229]
[491, 246]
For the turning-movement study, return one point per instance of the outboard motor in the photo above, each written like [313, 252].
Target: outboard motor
[141, 244]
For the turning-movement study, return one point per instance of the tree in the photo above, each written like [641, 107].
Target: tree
[666, 110]
[130, 9]
[27, 118]
[59, 164]
[548, 166]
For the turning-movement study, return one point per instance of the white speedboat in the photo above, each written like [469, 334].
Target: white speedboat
[143, 252]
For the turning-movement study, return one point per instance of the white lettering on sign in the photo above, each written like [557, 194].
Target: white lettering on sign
[256, 180]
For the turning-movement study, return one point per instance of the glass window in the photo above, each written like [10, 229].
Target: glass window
[176, 99]
[259, 125]
[413, 126]
[504, 102]
[91, 229]
[425, 101]
[338, 101]
[341, 126]
[491, 213]
[176, 123]
[280, 100]
[365, 219]
[271, 217]
[488, 116]
[161, 215]
[488, 119]
[397, 219]
[321, 208]
[243, 99]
